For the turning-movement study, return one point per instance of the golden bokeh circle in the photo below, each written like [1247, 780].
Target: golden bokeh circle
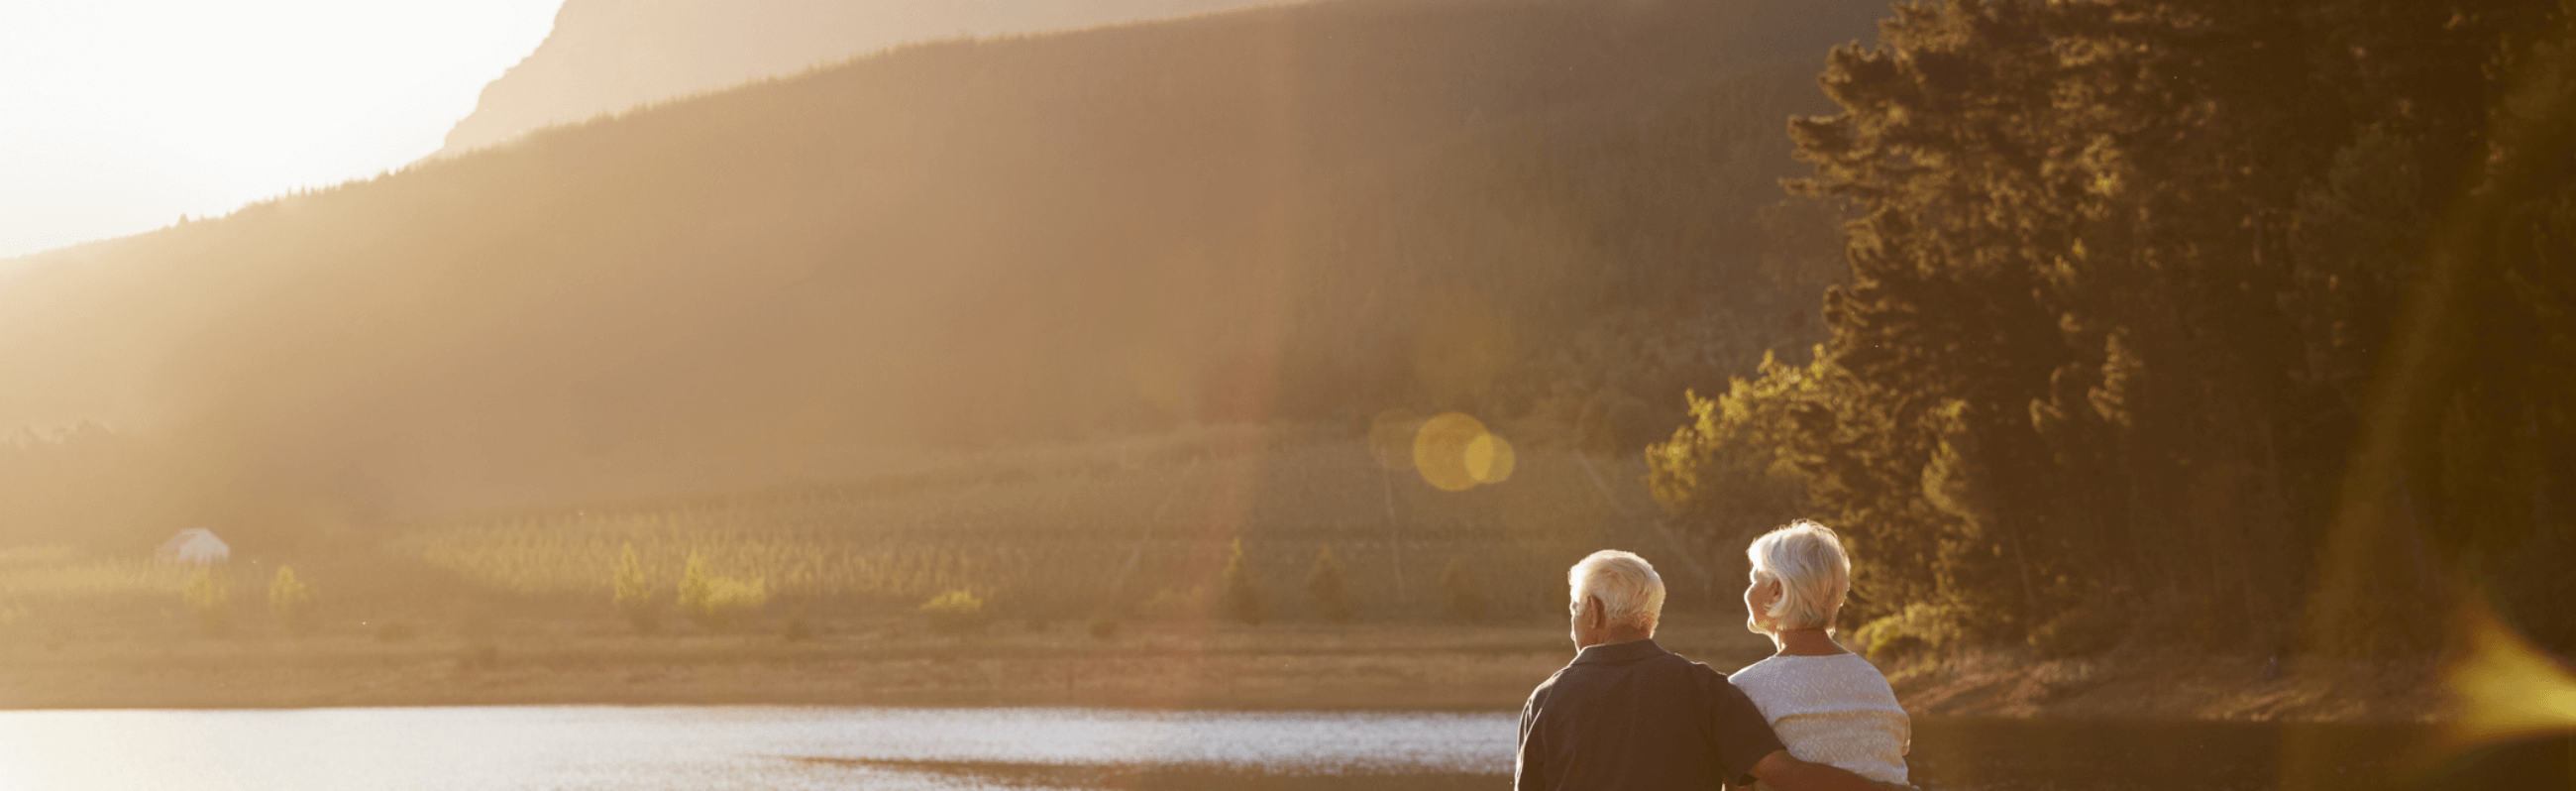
[1490, 459]
[1440, 451]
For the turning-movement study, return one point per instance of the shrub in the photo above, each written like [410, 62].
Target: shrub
[1918, 627]
[954, 612]
[634, 597]
[1242, 596]
[1464, 592]
[291, 601]
[1169, 604]
[717, 603]
[1324, 586]
[210, 599]
[2088, 629]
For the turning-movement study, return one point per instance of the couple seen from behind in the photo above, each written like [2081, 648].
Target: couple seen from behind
[1627, 714]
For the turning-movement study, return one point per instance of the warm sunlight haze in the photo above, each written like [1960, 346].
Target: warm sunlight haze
[1294, 395]
[126, 114]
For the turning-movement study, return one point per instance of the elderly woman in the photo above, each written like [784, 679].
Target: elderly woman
[1828, 705]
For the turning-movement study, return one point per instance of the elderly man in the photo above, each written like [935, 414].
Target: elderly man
[1627, 714]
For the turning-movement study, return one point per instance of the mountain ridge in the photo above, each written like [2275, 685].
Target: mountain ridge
[1543, 211]
[607, 57]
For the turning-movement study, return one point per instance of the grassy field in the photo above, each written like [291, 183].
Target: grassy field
[1132, 530]
[1100, 566]
[854, 662]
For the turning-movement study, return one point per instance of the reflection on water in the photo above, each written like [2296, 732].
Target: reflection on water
[768, 747]
[2042, 755]
[748, 747]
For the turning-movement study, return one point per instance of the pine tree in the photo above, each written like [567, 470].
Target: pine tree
[1242, 596]
[634, 593]
[717, 603]
[211, 600]
[291, 601]
[1465, 593]
[1325, 586]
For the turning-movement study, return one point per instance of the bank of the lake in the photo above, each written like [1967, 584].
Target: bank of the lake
[1385, 667]
[1162, 666]
[2170, 686]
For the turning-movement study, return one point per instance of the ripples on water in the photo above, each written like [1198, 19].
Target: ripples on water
[577, 748]
[650, 748]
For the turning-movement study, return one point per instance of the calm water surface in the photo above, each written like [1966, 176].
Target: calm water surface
[694, 747]
[572, 748]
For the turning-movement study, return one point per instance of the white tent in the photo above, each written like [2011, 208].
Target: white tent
[195, 545]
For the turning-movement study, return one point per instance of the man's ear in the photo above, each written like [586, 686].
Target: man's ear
[1594, 615]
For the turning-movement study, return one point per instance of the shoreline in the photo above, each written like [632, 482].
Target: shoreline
[1293, 667]
[2173, 687]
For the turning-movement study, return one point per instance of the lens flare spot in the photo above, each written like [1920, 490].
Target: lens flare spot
[1490, 459]
[1440, 451]
[2505, 688]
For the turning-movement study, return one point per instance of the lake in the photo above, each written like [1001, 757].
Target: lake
[570, 748]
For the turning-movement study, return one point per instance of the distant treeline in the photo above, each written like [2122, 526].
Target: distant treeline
[2237, 325]
[1555, 208]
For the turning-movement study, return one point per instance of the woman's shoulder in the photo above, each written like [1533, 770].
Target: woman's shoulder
[1804, 670]
[1766, 667]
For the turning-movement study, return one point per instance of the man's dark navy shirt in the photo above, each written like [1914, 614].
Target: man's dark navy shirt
[1635, 716]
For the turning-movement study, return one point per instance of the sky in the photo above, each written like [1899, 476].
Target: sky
[119, 116]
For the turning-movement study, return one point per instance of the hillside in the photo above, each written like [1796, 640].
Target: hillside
[608, 56]
[1550, 213]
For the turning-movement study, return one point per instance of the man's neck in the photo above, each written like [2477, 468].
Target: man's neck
[1617, 636]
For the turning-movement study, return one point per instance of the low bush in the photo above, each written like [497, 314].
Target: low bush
[2088, 629]
[1242, 597]
[1462, 590]
[634, 596]
[954, 612]
[718, 603]
[1915, 629]
[1176, 605]
[209, 598]
[291, 601]
[1324, 585]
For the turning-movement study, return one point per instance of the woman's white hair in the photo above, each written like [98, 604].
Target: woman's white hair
[1627, 586]
[1814, 574]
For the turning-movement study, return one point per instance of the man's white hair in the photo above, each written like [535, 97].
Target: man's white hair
[1814, 574]
[1627, 586]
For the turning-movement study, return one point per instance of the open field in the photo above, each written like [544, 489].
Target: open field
[1135, 530]
[1204, 665]
[1100, 566]
[1455, 594]
[1197, 666]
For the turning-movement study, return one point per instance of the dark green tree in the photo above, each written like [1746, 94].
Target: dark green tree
[1241, 598]
[1462, 589]
[1325, 587]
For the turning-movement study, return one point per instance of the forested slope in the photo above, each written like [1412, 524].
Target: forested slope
[2203, 325]
[1544, 210]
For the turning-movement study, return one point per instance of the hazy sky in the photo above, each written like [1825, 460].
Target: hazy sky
[117, 116]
